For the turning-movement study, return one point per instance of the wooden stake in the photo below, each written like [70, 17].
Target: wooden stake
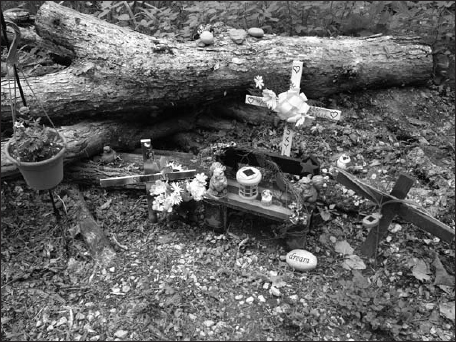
[391, 205]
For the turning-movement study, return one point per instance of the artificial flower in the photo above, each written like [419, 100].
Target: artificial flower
[201, 178]
[259, 82]
[158, 188]
[270, 98]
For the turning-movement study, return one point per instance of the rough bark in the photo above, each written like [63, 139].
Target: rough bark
[87, 139]
[99, 246]
[117, 70]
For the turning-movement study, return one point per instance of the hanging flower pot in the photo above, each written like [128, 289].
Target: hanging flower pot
[38, 153]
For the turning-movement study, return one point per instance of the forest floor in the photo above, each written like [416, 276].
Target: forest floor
[180, 281]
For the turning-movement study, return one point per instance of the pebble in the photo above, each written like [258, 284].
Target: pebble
[112, 269]
[192, 316]
[275, 291]
[238, 36]
[121, 333]
[249, 300]
[256, 32]
[208, 323]
[207, 38]
[238, 297]
[261, 298]
[266, 286]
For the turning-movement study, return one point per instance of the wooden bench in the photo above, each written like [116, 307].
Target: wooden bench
[233, 157]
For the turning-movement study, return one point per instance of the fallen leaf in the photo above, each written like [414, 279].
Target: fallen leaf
[353, 262]
[106, 205]
[277, 281]
[325, 215]
[447, 310]
[359, 280]
[421, 270]
[344, 248]
[441, 275]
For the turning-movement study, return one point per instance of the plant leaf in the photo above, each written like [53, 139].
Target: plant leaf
[325, 215]
[353, 262]
[447, 310]
[343, 247]
[441, 275]
[421, 270]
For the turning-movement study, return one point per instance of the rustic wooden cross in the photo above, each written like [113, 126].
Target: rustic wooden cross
[391, 205]
[291, 102]
[150, 167]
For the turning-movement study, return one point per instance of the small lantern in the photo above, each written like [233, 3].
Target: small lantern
[248, 178]
[266, 197]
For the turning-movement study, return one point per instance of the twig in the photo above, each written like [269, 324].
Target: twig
[118, 244]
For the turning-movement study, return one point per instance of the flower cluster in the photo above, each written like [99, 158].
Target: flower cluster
[167, 195]
[298, 215]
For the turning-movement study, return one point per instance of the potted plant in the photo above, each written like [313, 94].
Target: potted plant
[38, 152]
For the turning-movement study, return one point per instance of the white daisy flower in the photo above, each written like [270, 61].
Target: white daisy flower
[259, 82]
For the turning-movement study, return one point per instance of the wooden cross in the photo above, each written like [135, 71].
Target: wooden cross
[391, 205]
[290, 100]
[150, 170]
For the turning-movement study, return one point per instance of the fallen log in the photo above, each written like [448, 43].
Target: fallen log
[98, 244]
[87, 139]
[119, 71]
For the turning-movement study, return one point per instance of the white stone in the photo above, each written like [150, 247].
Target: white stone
[207, 37]
[255, 32]
[121, 333]
[208, 323]
[301, 260]
[275, 291]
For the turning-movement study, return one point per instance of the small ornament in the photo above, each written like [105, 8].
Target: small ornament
[108, 156]
[218, 182]
[307, 190]
[318, 182]
[371, 221]
[248, 178]
[266, 197]
[343, 161]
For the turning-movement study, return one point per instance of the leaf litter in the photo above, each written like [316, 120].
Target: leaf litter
[183, 282]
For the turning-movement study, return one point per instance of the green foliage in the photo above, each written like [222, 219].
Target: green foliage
[434, 20]
[34, 142]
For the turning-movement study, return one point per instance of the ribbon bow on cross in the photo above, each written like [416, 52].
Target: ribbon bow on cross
[291, 106]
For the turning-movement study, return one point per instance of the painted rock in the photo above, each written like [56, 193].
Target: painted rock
[256, 32]
[238, 36]
[301, 260]
[207, 38]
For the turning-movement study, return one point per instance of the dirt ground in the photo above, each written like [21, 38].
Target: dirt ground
[181, 281]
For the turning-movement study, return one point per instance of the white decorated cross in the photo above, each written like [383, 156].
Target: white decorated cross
[291, 106]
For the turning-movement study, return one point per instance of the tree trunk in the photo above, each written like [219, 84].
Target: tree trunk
[119, 71]
[87, 139]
